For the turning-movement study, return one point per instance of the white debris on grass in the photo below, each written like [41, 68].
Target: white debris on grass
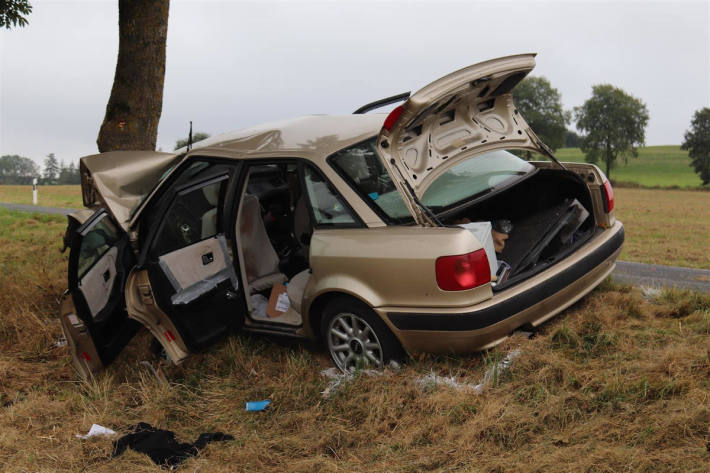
[432, 380]
[339, 378]
[650, 293]
[96, 430]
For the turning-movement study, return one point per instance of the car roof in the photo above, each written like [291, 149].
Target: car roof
[312, 137]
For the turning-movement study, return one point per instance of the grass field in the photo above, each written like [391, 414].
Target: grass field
[662, 226]
[47, 196]
[662, 166]
[618, 382]
[670, 227]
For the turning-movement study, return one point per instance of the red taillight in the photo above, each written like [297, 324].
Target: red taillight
[461, 272]
[608, 196]
[392, 118]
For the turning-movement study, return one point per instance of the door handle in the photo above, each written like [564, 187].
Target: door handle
[230, 296]
[107, 275]
[207, 258]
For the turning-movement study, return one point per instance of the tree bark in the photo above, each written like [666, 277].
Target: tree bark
[136, 102]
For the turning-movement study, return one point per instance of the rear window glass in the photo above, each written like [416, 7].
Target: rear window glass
[473, 177]
[362, 167]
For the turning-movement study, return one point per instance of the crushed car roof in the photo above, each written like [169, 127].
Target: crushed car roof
[313, 137]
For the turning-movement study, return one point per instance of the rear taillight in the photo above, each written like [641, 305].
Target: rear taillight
[461, 272]
[608, 194]
[392, 118]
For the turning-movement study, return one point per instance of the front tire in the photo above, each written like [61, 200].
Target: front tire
[356, 338]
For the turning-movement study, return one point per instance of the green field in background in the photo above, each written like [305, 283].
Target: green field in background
[662, 166]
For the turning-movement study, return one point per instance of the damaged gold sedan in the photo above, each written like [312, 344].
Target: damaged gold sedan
[375, 234]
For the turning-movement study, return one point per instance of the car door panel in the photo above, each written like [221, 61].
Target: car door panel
[189, 264]
[98, 282]
[197, 269]
[92, 313]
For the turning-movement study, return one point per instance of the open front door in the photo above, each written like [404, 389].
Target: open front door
[189, 262]
[93, 314]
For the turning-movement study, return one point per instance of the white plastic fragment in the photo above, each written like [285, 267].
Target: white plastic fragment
[96, 430]
[432, 379]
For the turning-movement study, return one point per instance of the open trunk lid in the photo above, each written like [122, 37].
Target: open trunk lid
[467, 112]
[119, 180]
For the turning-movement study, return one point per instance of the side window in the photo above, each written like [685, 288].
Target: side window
[101, 238]
[328, 209]
[192, 217]
[362, 168]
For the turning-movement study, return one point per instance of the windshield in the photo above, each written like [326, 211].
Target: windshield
[362, 168]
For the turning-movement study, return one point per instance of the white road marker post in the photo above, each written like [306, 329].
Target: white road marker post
[34, 191]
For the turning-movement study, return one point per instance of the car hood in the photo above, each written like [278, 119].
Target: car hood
[119, 180]
[467, 112]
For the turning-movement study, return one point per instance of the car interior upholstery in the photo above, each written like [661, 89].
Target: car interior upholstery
[274, 235]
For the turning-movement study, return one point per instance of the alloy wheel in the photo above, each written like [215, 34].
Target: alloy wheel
[353, 343]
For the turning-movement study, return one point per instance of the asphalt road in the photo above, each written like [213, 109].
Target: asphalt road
[655, 275]
[37, 208]
[640, 274]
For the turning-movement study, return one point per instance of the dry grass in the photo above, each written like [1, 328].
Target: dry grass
[670, 227]
[617, 383]
[47, 196]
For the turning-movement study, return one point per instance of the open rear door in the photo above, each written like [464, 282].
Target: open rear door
[187, 283]
[93, 314]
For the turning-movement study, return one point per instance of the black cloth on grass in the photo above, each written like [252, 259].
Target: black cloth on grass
[161, 446]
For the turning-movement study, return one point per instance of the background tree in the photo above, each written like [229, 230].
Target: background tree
[572, 139]
[697, 142]
[16, 169]
[13, 13]
[199, 136]
[68, 174]
[51, 169]
[541, 106]
[614, 123]
[136, 101]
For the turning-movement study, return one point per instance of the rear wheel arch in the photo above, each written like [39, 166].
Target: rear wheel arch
[317, 308]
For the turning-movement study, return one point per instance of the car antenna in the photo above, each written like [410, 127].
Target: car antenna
[189, 138]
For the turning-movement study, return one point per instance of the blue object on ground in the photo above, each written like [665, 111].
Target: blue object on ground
[257, 405]
[374, 195]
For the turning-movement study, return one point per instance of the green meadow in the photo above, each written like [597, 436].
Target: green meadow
[655, 166]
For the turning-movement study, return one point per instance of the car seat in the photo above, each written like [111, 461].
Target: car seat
[261, 263]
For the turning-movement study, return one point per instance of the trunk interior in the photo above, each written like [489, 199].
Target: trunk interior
[551, 215]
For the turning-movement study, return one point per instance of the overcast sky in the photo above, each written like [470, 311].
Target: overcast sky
[235, 64]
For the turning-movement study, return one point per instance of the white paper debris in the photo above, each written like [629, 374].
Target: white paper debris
[96, 430]
[282, 303]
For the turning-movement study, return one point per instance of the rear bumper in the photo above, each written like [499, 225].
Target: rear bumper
[531, 302]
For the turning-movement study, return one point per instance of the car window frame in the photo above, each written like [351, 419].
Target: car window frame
[164, 196]
[84, 229]
[300, 163]
[182, 191]
[387, 219]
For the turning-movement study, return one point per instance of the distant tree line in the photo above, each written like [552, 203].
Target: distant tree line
[20, 170]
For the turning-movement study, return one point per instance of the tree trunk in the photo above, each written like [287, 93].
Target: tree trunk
[136, 102]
